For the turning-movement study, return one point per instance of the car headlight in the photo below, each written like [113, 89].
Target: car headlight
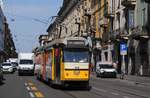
[102, 71]
[10, 69]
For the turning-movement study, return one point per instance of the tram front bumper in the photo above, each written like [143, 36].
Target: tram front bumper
[76, 75]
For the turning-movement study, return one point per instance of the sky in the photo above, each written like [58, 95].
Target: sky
[28, 19]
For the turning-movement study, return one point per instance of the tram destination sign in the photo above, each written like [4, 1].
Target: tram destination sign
[75, 42]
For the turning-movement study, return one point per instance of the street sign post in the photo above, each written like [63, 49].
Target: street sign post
[123, 49]
[123, 52]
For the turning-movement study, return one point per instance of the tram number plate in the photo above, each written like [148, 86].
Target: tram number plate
[77, 71]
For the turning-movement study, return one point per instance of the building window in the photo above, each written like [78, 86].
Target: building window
[105, 7]
[113, 5]
[94, 3]
[143, 16]
[131, 18]
[118, 4]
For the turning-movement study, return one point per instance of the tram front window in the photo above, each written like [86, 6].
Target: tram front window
[81, 56]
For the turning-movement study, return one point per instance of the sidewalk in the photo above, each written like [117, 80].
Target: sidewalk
[133, 78]
[137, 79]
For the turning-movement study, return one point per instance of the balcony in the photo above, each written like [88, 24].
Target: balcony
[109, 14]
[128, 3]
[139, 33]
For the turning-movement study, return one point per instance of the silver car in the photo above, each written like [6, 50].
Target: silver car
[7, 67]
[105, 69]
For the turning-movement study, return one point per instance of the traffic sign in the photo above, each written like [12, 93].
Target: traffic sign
[123, 49]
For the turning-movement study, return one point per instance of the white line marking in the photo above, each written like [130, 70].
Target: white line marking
[115, 93]
[25, 84]
[98, 89]
[28, 88]
[126, 97]
[31, 95]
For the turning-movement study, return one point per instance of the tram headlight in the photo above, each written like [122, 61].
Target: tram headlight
[67, 74]
[86, 74]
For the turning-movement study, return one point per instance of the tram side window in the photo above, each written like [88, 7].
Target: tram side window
[50, 59]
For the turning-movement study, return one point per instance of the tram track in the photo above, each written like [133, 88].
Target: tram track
[120, 89]
[74, 94]
[103, 96]
[91, 92]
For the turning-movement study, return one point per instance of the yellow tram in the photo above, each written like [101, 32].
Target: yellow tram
[65, 62]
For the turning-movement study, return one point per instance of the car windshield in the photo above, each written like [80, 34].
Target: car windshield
[14, 63]
[106, 66]
[6, 64]
[75, 55]
[26, 61]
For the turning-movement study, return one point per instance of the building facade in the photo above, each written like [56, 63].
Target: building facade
[9, 46]
[2, 33]
[139, 45]
[107, 24]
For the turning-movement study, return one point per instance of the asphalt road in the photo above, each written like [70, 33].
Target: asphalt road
[16, 86]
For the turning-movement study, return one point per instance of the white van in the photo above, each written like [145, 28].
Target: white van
[25, 63]
[105, 69]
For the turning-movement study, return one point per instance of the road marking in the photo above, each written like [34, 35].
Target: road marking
[25, 84]
[126, 97]
[98, 89]
[31, 95]
[34, 88]
[39, 95]
[30, 83]
[28, 88]
[115, 93]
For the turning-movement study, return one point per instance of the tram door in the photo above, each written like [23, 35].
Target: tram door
[57, 64]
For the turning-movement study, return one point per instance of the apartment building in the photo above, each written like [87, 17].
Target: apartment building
[139, 45]
[9, 46]
[2, 33]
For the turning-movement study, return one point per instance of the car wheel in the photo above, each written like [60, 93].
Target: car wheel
[102, 76]
[97, 75]
[1, 79]
[12, 72]
[115, 76]
[19, 74]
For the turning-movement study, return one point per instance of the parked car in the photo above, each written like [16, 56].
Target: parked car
[15, 65]
[1, 74]
[14, 61]
[105, 69]
[7, 67]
